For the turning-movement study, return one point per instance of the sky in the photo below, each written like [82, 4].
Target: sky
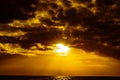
[33, 27]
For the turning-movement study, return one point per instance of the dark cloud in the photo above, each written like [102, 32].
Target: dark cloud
[44, 37]
[100, 49]
[16, 9]
[67, 3]
[105, 3]
[33, 35]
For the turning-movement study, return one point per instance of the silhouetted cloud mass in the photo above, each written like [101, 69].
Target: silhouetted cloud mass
[91, 25]
[16, 9]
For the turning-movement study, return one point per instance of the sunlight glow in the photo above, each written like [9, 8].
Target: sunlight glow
[62, 50]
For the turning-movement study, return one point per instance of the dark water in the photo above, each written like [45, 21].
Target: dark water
[59, 77]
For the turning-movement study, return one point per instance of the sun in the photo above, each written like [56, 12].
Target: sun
[62, 49]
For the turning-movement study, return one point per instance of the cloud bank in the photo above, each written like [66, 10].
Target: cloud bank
[91, 25]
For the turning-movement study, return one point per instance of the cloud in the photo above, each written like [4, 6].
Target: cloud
[16, 9]
[92, 25]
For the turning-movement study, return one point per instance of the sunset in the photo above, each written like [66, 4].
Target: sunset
[60, 38]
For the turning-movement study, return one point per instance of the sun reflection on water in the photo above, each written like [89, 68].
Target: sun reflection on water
[61, 78]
